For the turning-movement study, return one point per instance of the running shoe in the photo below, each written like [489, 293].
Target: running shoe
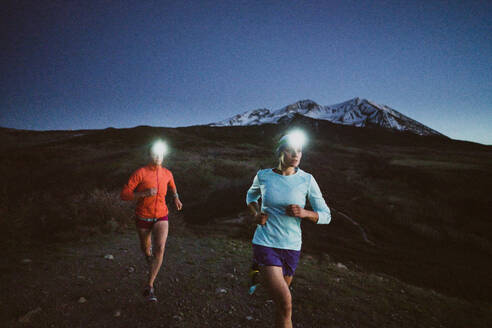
[252, 289]
[149, 294]
[254, 274]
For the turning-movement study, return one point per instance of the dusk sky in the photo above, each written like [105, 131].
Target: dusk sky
[97, 64]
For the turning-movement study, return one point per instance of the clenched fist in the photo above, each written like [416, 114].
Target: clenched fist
[150, 192]
[261, 218]
[295, 211]
[146, 193]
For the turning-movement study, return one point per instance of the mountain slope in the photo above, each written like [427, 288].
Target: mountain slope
[423, 201]
[355, 112]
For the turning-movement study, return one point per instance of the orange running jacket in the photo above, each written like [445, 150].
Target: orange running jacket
[150, 176]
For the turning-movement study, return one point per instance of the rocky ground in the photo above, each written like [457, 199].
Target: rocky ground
[98, 282]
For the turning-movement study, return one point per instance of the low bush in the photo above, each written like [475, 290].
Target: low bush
[48, 217]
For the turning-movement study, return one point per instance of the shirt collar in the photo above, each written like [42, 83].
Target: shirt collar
[153, 167]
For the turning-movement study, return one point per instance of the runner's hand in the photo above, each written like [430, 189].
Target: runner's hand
[146, 193]
[150, 192]
[178, 203]
[261, 218]
[295, 211]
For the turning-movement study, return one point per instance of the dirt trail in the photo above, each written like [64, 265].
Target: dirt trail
[203, 284]
[198, 286]
[355, 223]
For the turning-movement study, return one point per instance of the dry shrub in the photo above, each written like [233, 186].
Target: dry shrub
[100, 206]
[194, 180]
[48, 217]
[234, 169]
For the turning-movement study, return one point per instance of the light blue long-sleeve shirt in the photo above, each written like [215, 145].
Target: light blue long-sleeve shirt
[277, 192]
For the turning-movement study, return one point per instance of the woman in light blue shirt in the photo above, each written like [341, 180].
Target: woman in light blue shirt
[277, 239]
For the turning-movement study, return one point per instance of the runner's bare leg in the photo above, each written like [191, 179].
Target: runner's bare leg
[159, 231]
[145, 240]
[279, 289]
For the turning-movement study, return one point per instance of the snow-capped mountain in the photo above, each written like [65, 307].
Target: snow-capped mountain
[355, 112]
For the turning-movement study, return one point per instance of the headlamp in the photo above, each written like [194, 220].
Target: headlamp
[159, 148]
[296, 139]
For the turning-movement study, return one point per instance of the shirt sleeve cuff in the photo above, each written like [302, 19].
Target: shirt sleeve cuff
[324, 217]
[250, 199]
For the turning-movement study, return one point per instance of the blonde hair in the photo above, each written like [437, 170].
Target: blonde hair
[281, 159]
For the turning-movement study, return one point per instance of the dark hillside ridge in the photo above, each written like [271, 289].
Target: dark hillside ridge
[422, 200]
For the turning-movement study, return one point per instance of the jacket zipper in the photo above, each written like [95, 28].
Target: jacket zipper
[157, 192]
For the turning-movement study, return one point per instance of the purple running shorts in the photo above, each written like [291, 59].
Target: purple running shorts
[269, 256]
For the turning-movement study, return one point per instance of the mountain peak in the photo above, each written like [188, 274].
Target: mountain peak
[357, 100]
[302, 104]
[355, 112]
[306, 102]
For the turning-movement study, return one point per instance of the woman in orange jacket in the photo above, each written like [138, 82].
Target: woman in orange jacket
[149, 185]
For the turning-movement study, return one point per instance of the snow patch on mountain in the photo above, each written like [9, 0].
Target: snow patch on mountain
[354, 112]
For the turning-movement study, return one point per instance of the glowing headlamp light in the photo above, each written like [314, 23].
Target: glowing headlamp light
[296, 139]
[159, 148]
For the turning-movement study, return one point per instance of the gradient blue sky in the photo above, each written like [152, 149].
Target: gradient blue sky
[73, 65]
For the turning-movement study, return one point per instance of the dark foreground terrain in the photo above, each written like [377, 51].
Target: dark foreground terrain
[204, 284]
[409, 213]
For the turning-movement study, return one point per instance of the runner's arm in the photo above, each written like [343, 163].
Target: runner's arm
[318, 204]
[128, 191]
[174, 191]
[252, 197]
